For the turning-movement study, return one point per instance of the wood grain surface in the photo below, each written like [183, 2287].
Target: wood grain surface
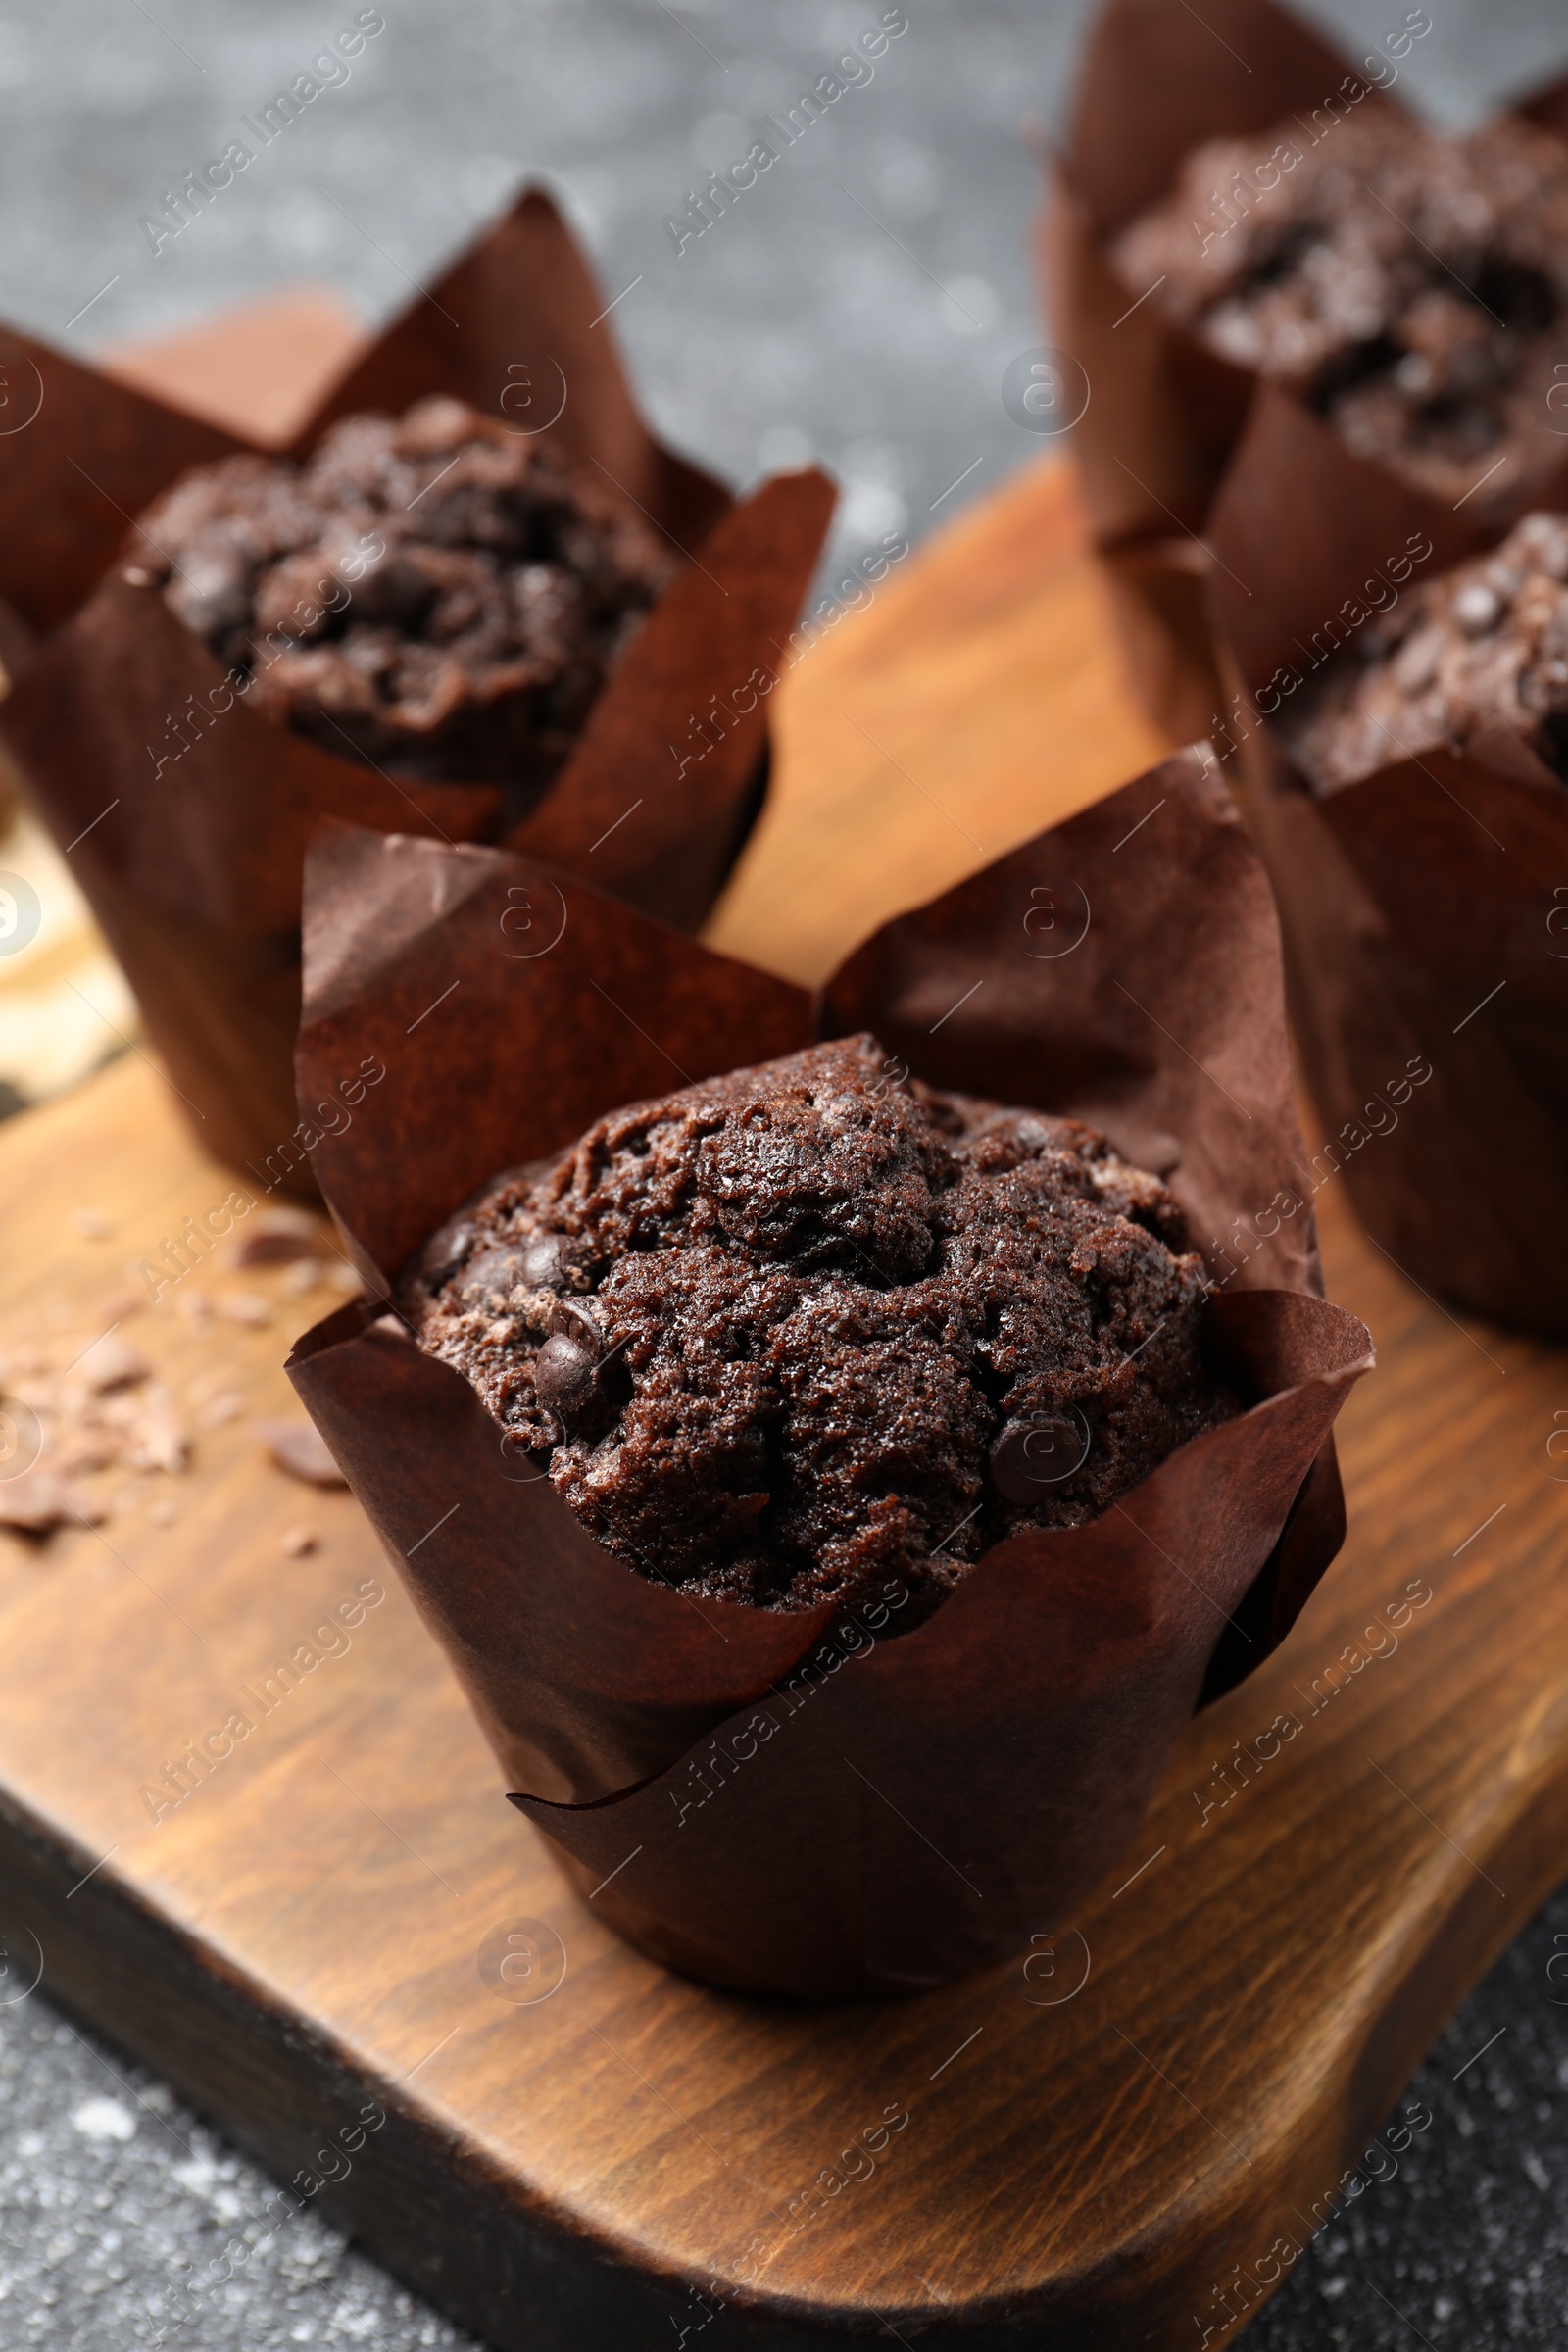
[1118, 2141]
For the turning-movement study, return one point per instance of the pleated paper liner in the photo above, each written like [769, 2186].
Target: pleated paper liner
[1425, 908]
[810, 1802]
[1164, 411]
[186, 815]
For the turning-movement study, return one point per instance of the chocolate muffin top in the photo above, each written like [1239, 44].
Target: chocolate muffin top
[1481, 648]
[788, 1335]
[433, 594]
[1410, 283]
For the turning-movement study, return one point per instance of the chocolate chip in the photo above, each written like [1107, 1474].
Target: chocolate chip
[1032, 1457]
[444, 1252]
[544, 1262]
[566, 1378]
[569, 1321]
[492, 1277]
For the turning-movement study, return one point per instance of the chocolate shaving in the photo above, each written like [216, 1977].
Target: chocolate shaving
[280, 1237]
[38, 1502]
[299, 1447]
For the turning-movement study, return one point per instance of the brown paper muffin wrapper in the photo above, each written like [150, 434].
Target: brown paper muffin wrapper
[1164, 411]
[1425, 908]
[185, 814]
[799, 1802]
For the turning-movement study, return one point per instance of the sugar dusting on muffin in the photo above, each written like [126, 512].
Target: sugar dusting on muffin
[435, 594]
[790, 1333]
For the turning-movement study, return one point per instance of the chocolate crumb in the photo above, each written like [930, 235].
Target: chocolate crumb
[243, 1307]
[40, 1500]
[299, 1447]
[278, 1237]
[110, 1362]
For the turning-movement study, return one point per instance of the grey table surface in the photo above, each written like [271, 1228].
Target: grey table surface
[859, 305]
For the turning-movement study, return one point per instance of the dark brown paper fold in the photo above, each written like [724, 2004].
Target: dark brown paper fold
[89, 456]
[523, 1618]
[1123, 967]
[185, 814]
[1422, 907]
[517, 326]
[1156, 80]
[863, 1796]
[1300, 523]
[652, 806]
[1164, 410]
[537, 1005]
[1548, 108]
[1136, 1029]
[1424, 934]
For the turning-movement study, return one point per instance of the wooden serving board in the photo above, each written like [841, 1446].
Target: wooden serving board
[1117, 2140]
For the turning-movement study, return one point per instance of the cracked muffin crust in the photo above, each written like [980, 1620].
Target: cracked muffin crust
[1412, 284]
[1480, 650]
[433, 594]
[792, 1332]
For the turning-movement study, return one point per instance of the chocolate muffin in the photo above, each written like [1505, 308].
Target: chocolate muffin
[1411, 284]
[433, 595]
[1481, 649]
[789, 1333]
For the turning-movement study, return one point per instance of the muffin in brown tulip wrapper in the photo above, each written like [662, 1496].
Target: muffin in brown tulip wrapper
[1413, 287]
[1400, 751]
[1240, 206]
[785, 1337]
[435, 595]
[476, 599]
[1410, 811]
[909, 1418]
